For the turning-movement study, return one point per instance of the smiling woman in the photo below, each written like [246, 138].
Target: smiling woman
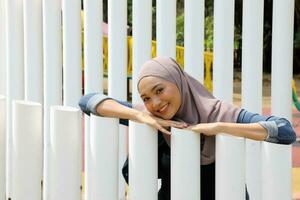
[172, 98]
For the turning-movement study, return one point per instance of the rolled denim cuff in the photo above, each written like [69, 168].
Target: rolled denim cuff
[272, 130]
[94, 101]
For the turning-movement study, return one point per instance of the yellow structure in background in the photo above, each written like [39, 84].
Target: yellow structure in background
[208, 59]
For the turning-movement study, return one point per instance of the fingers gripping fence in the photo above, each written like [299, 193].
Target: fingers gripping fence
[41, 141]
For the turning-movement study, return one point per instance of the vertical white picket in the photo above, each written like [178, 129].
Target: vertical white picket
[223, 49]
[166, 28]
[27, 142]
[117, 70]
[72, 72]
[64, 150]
[194, 38]
[2, 49]
[104, 163]
[2, 145]
[276, 171]
[33, 50]
[282, 57]
[15, 53]
[230, 181]
[252, 86]
[230, 167]
[2, 98]
[117, 49]
[93, 53]
[142, 139]
[185, 165]
[15, 72]
[52, 50]
[279, 186]
[93, 81]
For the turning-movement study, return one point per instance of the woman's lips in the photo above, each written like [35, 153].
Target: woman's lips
[163, 109]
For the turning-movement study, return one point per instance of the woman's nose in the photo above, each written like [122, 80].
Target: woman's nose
[156, 103]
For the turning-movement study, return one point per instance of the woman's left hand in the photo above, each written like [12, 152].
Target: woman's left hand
[170, 123]
[208, 129]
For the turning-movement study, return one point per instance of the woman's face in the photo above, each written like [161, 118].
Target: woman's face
[161, 97]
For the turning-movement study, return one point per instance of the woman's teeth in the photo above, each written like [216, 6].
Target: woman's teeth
[163, 108]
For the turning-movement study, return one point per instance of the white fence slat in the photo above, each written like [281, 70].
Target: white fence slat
[230, 167]
[117, 49]
[143, 175]
[185, 165]
[252, 55]
[104, 162]
[52, 54]
[2, 145]
[72, 72]
[62, 178]
[194, 38]
[93, 56]
[252, 60]
[142, 139]
[15, 71]
[281, 98]
[230, 181]
[2, 49]
[33, 50]
[142, 35]
[166, 28]
[282, 58]
[117, 69]
[93, 73]
[276, 171]
[27, 151]
[223, 49]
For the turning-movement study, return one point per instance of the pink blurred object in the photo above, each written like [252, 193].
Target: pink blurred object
[296, 196]
[105, 29]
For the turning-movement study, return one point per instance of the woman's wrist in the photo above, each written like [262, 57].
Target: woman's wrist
[135, 115]
[219, 127]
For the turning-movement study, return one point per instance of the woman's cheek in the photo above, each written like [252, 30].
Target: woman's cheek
[148, 107]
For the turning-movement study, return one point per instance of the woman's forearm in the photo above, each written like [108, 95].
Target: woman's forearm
[251, 131]
[111, 108]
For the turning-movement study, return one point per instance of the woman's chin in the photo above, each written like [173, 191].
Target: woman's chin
[167, 116]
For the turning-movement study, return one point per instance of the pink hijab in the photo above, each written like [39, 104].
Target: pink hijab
[197, 104]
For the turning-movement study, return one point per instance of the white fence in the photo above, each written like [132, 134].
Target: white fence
[40, 62]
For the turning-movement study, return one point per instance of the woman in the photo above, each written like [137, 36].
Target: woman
[172, 98]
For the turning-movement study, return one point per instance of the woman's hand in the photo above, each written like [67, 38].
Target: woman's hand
[208, 129]
[170, 123]
[158, 123]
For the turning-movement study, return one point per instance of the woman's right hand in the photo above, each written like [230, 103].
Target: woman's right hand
[158, 123]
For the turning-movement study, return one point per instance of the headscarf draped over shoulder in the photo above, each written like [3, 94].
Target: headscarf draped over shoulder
[197, 104]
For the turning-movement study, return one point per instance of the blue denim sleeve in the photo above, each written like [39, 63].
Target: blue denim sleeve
[88, 104]
[279, 129]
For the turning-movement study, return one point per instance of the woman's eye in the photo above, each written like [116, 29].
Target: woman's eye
[145, 99]
[159, 90]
